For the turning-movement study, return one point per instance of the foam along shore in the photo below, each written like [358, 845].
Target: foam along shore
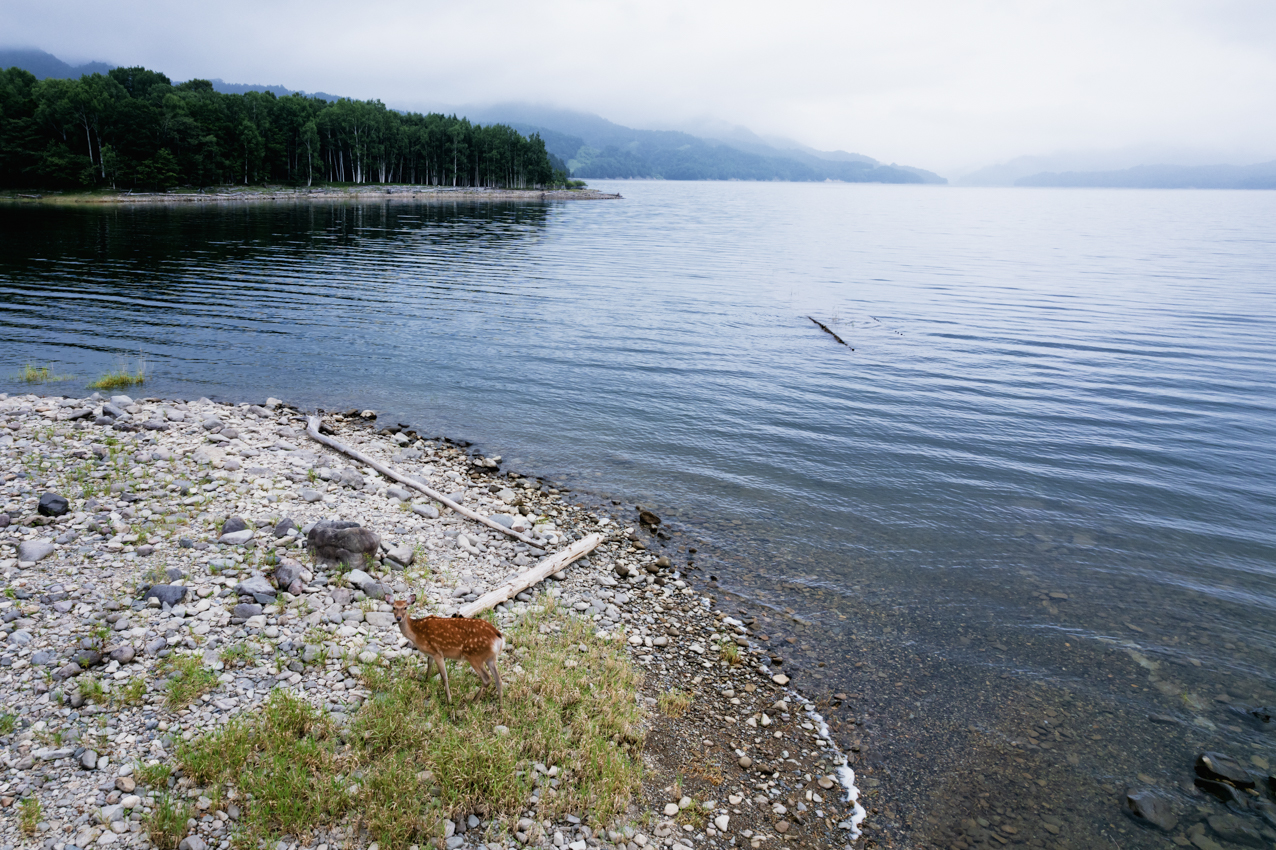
[142, 537]
[327, 194]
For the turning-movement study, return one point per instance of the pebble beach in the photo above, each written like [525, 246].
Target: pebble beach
[135, 534]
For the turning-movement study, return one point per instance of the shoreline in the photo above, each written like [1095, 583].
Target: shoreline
[745, 760]
[428, 194]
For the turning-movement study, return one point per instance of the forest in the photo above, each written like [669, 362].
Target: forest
[132, 128]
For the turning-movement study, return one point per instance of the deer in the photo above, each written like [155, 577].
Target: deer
[477, 641]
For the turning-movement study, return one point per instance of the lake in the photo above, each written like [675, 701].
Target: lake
[1029, 504]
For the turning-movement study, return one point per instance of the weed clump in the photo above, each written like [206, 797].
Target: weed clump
[119, 379]
[190, 680]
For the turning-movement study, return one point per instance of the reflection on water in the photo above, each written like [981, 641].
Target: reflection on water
[1031, 508]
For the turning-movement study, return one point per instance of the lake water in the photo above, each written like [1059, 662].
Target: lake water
[1031, 503]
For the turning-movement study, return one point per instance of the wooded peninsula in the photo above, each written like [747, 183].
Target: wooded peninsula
[132, 128]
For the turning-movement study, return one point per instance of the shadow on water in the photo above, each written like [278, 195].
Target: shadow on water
[1019, 540]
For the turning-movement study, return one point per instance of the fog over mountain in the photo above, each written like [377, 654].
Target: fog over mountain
[948, 87]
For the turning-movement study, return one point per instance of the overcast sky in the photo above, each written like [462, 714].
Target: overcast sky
[940, 84]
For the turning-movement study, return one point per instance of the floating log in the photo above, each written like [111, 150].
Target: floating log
[829, 331]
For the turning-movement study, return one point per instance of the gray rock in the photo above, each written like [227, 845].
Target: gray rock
[211, 423]
[427, 511]
[80, 413]
[310, 495]
[1236, 830]
[112, 411]
[503, 519]
[233, 524]
[350, 477]
[192, 842]
[359, 578]
[51, 504]
[343, 542]
[244, 610]
[311, 653]
[1218, 766]
[4, 520]
[167, 594]
[283, 527]
[258, 587]
[88, 760]
[376, 590]
[379, 619]
[237, 538]
[174, 574]
[44, 657]
[155, 646]
[121, 400]
[402, 554]
[1147, 807]
[123, 654]
[155, 425]
[286, 573]
[398, 493]
[34, 550]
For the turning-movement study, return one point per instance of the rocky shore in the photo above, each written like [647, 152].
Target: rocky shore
[363, 194]
[149, 546]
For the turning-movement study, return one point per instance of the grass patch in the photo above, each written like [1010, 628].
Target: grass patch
[166, 823]
[91, 689]
[31, 374]
[134, 693]
[236, 655]
[8, 722]
[29, 812]
[407, 761]
[730, 653]
[152, 775]
[189, 680]
[674, 703]
[120, 378]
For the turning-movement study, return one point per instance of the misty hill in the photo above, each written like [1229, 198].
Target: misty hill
[45, 65]
[592, 146]
[1259, 176]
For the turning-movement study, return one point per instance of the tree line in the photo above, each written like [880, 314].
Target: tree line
[132, 128]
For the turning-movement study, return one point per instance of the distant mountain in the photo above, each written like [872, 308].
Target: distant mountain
[277, 91]
[1259, 176]
[46, 65]
[592, 146]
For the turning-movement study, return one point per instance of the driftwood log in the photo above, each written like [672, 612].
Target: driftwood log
[547, 567]
[313, 430]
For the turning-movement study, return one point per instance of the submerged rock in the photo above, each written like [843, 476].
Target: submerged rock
[1149, 808]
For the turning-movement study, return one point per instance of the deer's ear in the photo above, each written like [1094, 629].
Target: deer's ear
[412, 599]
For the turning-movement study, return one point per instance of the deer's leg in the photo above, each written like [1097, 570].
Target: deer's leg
[496, 674]
[429, 668]
[483, 677]
[443, 674]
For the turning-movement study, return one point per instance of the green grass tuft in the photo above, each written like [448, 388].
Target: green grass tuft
[32, 374]
[8, 722]
[166, 823]
[190, 680]
[119, 379]
[152, 775]
[674, 703]
[29, 813]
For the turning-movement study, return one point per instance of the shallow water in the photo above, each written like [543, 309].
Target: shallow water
[1042, 480]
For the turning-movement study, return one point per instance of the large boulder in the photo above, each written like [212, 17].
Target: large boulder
[335, 541]
[167, 594]
[31, 551]
[234, 524]
[51, 504]
[258, 587]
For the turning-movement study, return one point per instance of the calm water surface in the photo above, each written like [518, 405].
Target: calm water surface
[1033, 505]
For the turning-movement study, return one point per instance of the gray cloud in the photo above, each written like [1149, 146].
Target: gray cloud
[937, 84]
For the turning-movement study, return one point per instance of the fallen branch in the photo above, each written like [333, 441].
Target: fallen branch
[829, 331]
[535, 575]
[313, 430]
